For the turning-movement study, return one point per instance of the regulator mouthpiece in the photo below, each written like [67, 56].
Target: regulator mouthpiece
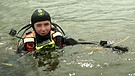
[12, 32]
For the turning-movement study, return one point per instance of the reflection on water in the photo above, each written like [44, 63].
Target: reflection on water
[21, 66]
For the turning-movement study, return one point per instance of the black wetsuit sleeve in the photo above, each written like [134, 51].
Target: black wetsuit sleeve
[21, 49]
[70, 41]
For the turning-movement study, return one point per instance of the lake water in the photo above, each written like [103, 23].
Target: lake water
[90, 20]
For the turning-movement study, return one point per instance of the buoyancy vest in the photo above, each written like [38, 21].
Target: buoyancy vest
[30, 43]
[29, 35]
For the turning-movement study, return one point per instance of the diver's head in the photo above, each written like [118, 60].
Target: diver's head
[41, 22]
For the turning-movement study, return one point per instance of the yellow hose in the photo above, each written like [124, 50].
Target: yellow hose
[101, 48]
[121, 41]
[7, 64]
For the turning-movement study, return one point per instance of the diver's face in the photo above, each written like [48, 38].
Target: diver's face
[42, 27]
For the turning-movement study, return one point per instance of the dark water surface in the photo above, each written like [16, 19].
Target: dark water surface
[90, 20]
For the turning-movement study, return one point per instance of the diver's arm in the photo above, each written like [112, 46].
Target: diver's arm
[21, 50]
[61, 41]
[69, 41]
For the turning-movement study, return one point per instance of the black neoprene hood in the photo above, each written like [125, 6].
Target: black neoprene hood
[40, 15]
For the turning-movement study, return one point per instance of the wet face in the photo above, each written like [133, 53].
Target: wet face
[42, 27]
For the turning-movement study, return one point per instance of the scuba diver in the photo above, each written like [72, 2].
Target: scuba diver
[46, 35]
[43, 41]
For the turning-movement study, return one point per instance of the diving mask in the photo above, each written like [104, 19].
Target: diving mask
[46, 46]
